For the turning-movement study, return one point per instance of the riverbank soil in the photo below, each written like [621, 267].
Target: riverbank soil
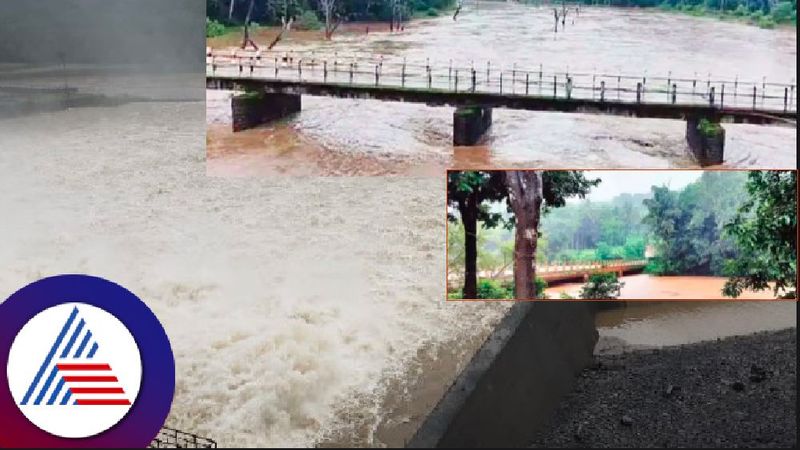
[739, 391]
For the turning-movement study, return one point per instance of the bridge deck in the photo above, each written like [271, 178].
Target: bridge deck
[392, 80]
[570, 271]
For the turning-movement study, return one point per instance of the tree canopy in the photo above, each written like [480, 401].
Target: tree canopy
[765, 230]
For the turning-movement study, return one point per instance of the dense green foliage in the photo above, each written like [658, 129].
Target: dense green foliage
[269, 12]
[764, 13]
[308, 20]
[765, 229]
[601, 286]
[475, 205]
[500, 290]
[687, 225]
[588, 231]
[214, 28]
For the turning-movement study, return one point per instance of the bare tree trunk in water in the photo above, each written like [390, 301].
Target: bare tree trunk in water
[469, 217]
[246, 40]
[525, 197]
[327, 9]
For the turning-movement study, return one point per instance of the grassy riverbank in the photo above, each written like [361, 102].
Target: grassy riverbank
[739, 391]
[783, 15]
[377, 16]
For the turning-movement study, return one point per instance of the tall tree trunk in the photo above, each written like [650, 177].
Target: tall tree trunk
[246, 39]
[469, 216]
[230, 10]
[525, 197]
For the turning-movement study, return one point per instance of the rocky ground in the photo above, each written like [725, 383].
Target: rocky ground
[735, 392]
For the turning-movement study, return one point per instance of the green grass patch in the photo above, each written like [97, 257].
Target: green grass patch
[708, 128]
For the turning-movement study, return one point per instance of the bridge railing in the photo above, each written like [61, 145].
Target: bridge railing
[570, 267]
[172, 438]
[387, 71]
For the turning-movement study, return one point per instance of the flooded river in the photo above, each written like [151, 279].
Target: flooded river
[657, 324]
[364, 137]
[643, 286]
[294, 309]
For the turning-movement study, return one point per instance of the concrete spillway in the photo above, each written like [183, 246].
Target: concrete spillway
[515, 381]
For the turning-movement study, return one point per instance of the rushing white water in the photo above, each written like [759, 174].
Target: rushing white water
[285, 299]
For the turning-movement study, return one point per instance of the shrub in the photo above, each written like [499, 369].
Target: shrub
[782, 12]
[756, 15]
[698, 10]
[490, 290]
[601, 286]
[308, 21]
[432, 12]
[766, 22]
[656, 266]
[708, 128]
[741, 11]
[214, 28]
[541, 285]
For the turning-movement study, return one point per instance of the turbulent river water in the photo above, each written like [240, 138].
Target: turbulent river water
[362, 137]
[295, 309]
[299, 309]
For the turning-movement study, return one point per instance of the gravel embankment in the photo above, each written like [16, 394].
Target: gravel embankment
[735, 392]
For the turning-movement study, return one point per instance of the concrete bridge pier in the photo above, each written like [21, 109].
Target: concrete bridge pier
[470, 123]
[256, 108]
[706, 139]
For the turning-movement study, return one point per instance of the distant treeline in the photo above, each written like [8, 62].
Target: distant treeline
[765, 13]
[588, 231]
[688, 225]
[308, 13]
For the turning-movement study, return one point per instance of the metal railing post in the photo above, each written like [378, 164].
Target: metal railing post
[473, 80]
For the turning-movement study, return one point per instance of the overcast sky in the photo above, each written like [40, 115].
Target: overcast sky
[155, 33]
[617, 182]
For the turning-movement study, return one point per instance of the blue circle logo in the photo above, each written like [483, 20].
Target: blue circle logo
[85, 364]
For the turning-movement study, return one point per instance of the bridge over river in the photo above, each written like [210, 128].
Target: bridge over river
[274, 83]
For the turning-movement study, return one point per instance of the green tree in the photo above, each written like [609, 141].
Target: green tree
[765, 230]
[470, 193]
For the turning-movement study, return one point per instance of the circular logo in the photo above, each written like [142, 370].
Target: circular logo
[87, 364]
[48, 380]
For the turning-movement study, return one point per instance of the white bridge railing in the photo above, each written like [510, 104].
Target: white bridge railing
[391, 71]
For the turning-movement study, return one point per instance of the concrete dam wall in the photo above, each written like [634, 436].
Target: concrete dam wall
[512, 385]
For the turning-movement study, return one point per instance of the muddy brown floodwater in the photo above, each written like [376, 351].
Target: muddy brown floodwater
[365, 137]
[658, 324]
[643, 286]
